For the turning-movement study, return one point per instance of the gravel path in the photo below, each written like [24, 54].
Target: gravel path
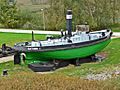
[116, 34]
[6, 59]
[30, 31]
[103, 76]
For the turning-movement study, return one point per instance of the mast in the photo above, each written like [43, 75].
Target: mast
[33, 36]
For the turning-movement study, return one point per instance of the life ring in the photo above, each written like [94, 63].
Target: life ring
[23, 57]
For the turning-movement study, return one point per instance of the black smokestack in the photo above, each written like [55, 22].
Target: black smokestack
[69, 22]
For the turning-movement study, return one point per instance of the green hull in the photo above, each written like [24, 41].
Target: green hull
[32, 57]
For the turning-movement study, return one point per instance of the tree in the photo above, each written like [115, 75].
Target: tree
[98, 13]
[10, 16]
[55, 17]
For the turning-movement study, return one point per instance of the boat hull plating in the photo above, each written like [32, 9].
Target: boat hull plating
[66, 54]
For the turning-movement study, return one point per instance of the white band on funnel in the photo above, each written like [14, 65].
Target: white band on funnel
[68, 16]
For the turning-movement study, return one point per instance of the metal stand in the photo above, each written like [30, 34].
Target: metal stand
[5, 72]
[97, 58]
[48, 66]
[17, 59]
[77, 62]
[56, 64]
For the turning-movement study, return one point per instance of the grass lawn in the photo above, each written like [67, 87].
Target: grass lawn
[115, 27]
[22, 78]
[12, 38]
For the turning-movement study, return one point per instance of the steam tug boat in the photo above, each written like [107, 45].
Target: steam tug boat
[66, 48]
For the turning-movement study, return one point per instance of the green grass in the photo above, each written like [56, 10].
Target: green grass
[11, 38]
[115, 27]
[13, 69]
[116, 30]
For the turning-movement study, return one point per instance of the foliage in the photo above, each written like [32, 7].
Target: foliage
[98, 13]
[10, 16]
[55, 19]
[31, 20]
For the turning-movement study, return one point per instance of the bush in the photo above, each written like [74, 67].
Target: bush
[11, 16]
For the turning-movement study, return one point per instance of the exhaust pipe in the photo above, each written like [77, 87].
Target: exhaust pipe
[69, 22]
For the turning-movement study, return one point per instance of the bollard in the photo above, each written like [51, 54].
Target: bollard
[5, 72]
